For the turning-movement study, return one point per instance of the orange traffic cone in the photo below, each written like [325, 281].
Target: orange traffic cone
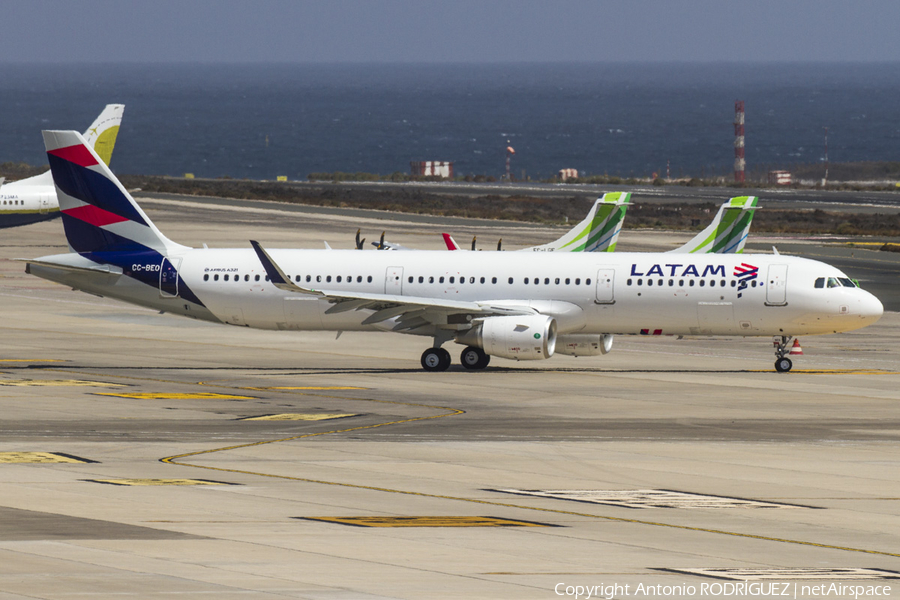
[796, 349]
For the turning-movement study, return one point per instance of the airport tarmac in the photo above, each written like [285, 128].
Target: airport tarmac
[151, 456]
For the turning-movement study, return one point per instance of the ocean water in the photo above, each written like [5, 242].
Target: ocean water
[260, 121]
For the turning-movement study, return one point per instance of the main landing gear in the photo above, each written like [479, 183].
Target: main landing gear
[435, 359]
[438, 359]
[782, 347]
[474, 358]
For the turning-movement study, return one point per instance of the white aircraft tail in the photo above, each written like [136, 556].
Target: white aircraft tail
[598, 232]
[728, 232]
[101, 135]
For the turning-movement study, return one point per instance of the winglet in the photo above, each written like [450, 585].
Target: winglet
[276, 275]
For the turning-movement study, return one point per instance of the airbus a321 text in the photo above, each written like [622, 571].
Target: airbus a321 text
[514, 305]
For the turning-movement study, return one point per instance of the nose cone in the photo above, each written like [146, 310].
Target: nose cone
[870, 308]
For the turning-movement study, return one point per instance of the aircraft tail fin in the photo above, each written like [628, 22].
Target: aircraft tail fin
[728, 232]
[450, 242]
[599, 231]
[98, 213]
[101, 135]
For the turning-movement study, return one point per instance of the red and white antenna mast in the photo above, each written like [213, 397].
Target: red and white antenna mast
[739, 162]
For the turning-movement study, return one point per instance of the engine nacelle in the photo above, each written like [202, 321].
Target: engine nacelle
[583, 344]
[530, 337]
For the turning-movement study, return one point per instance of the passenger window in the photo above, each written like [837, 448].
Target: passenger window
[216, 277]
[640, 282]
[510, 280]
[526, 281]
[225, 277]
[649, 282]
[733, 283]
[546, 281]
[431, 279]
[587, 282]
[702, 282]
[358, 278]
[369, 279]
[267, 277]
[205, 277]
[820, 282]
[453, 280]
[297, 278]
[557, 281]
[328, 279]
[567, 281]
[712, 283]
[471, 280]
[578, 281]
[722, 283]
[256, 278]
[308, 278]
[660, 282]
[410, 279]
[421, 279]
[628, 282]
[671, 282]
[691, 283]
[441, 279]
[754, 284]
[493, 280]
[681, 283]
[318, 278]
[338, 278]
[246, 278]
[482, 280]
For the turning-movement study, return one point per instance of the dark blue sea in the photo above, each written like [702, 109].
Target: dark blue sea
[260, 121]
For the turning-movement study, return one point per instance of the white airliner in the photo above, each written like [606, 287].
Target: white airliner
[515, 305]
[34, 199]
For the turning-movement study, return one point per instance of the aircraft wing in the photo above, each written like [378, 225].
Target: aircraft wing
[412, 311]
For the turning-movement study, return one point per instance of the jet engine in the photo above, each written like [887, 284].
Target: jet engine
[583, 344]
[530, 337]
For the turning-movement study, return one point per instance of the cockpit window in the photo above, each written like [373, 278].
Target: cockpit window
[834, 282]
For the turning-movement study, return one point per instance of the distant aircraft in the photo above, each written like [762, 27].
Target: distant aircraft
[507, 304]
[34, 199]
[728, 231]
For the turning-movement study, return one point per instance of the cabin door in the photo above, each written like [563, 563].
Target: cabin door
[606, 278]
[393, 281]
[168, 278]
[776, 285]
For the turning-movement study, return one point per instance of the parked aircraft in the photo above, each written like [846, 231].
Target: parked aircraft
[508, 304]
[34, 199]
[727, 233]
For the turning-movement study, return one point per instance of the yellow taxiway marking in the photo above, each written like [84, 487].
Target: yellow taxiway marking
[301, 417]
[40, 457]
[175, 396]
[28, 360]
[428, 521]
[57, 383]
[178, 459]
[159, 481]
[312, 387]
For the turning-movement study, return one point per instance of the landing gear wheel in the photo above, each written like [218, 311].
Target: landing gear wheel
[783, 365]
[474, 358]
[435, 359]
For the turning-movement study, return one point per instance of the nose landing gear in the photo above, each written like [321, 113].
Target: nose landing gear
[782, 343]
